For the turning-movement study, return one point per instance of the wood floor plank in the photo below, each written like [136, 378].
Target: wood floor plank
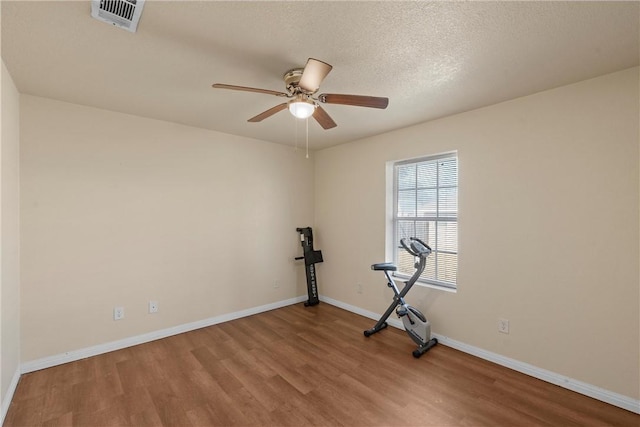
[88, 397]
[64, 420]
[186, 391]
[217, 370]
[258, 330]
[167, 404]
[202, 416]
[136, 402]
[254, 384]
[253, 411]
[32, 385]
[114, 415]
[219, 406]
[239, 338]
[26, 411]
[289, 373]
[58, 401]
[131, 375]
[296, 366]
[300, 406]
[147, 418]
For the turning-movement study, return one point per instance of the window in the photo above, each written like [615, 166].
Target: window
[426, 206]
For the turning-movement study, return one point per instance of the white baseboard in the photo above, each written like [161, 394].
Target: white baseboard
[598, 393]
[6, 400]
[71, 356]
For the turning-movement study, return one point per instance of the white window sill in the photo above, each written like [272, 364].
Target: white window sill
[403, 279]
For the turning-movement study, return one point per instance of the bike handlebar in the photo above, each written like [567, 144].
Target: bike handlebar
[416, 247]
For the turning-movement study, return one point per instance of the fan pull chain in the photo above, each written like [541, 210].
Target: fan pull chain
[296, 140]
[307, 120]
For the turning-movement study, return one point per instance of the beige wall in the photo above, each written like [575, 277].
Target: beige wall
[548, 224]
[9, 234]
[118, 210]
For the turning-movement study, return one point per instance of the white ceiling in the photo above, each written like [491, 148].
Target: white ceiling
[431, 59]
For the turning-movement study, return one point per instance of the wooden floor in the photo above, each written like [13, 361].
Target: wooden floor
[296, 366]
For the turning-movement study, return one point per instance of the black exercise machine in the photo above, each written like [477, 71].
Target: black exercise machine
[311, 257]
[416, 325]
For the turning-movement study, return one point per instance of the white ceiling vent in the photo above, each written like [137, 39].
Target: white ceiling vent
[121, 13]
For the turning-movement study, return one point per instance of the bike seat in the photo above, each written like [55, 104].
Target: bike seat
[384, 266]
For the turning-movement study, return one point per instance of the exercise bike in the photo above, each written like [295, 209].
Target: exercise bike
[416, 325]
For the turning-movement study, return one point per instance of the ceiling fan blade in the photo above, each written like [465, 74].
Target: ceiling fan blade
[357, 100]
[323, 118]
[248, 89]
[270, 112]
[314, 73]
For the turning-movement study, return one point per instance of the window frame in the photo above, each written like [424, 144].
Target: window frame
[395, 236]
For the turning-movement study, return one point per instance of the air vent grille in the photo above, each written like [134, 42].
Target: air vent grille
[122, 8]
[121, 13]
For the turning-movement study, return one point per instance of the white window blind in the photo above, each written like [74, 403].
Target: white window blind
[426, 207]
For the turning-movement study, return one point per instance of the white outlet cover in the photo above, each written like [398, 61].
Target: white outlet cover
[503, 326]
[118, 313]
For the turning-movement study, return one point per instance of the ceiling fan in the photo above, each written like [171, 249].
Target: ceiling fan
[301, 84]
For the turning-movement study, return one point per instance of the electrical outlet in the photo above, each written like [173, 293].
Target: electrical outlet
[153, 306]
[118, 313]
[503, 326]
[276, 284]
[359, 288]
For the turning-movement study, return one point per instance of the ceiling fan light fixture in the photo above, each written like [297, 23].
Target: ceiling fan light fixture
[301, 107]
[302, 84]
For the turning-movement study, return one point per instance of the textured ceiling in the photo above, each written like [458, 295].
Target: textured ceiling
[431, 59]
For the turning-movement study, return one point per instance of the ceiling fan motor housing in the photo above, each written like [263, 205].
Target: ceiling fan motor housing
[291, 80]
[301, 105]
